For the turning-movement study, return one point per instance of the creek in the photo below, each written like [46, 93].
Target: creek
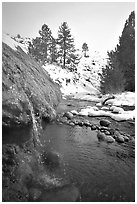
[102, 172]
[97, 170]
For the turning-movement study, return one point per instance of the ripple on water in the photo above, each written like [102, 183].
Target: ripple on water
[95, 167]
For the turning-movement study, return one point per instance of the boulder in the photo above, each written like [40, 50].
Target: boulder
[80, 123]
[126, 138]
[93, 127]
[105, 123]
[74, 121]
[118, 137]
[51, 158]
[86, 123]
[101, 136]
[107, 132]
[110, 139]
[72, 124]
[69, 115]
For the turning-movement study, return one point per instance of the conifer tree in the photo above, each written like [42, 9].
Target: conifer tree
[46, 39]
[53, 50]
[35, 49]
[65, 42]
[85, 49]
[112, 77]
[41, 47]
[126, 52]
[121, 67]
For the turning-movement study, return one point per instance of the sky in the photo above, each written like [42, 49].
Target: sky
[99, 24]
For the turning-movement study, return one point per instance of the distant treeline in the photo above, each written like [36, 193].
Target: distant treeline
[117, 76]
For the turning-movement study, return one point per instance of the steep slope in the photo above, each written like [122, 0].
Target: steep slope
[29, 97]
[85, 81]
[25, 84]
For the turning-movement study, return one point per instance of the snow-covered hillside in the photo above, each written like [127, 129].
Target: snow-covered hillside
[14, 42]
[86, 81]
[82, 84]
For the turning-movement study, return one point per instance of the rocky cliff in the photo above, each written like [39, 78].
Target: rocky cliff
[25, 84]
[29, 97]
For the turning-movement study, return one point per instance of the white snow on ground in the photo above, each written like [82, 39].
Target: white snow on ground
[70, 83]
[91, 111]
[125, 98]
[112, 109]
[83, 83]
[14, 42]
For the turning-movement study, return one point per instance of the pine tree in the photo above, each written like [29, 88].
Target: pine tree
[65, 42]
[85, 49]
[53, 50]
[126, 52]
[35, 49]
[120, 73]
[46, 37]
[112, 77]
[42, 47]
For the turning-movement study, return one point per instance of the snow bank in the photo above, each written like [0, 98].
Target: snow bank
[111, 107]
[122, 99]
[125, 98]
[71, 83]
[94, 111]
[15, 42]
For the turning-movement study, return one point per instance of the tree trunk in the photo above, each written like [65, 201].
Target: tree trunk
[64, 59]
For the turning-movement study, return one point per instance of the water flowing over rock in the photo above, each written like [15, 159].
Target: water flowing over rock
[24, 81]
[29, 97]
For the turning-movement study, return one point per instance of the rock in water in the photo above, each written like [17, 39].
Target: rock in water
[110, 139]
[51, 158]
[105, 123]
[119, 137]
[126, 138]
[101, 136]
[93, 127]
[68, 115]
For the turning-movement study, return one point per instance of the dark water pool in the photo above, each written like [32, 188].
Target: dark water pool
[101, 171]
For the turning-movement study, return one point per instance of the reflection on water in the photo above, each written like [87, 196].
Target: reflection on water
[101, 171]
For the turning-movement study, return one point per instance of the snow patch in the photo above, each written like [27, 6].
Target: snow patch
[14, 42]
[91, 111]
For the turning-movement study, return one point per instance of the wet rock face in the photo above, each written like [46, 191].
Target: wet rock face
[25, 84]
[26, 89]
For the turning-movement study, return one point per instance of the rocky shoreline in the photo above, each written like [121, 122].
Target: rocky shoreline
[104, 130]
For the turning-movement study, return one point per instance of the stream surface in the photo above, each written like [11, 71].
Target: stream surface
[101, 171]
